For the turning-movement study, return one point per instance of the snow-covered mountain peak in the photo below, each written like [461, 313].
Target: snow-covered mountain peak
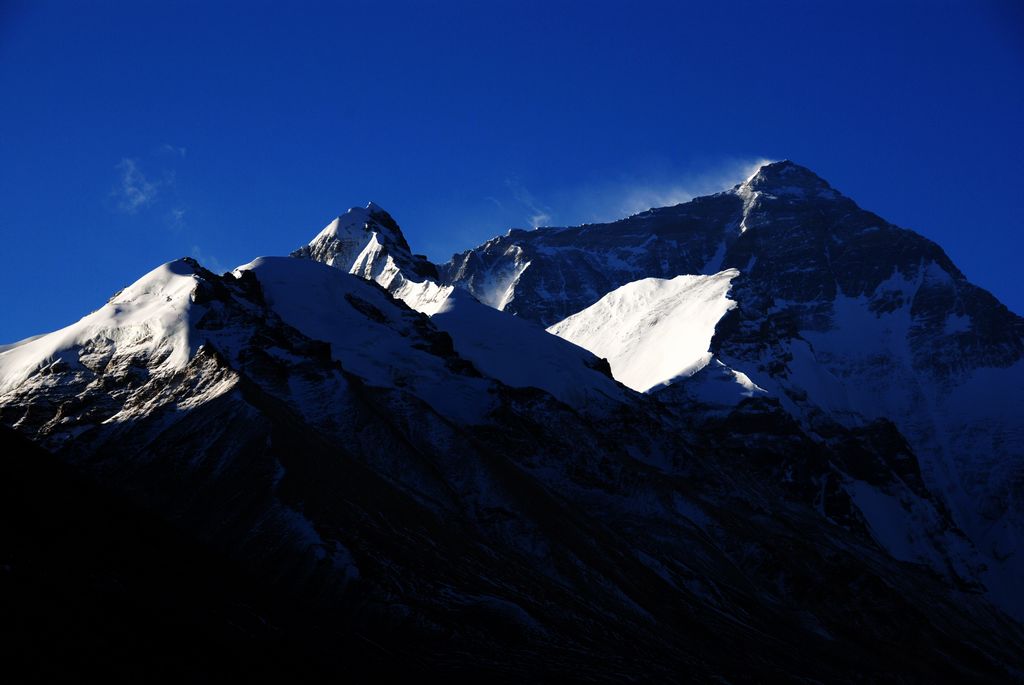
[367, 241]
[789, 180]
[150, 319]
[356, 225]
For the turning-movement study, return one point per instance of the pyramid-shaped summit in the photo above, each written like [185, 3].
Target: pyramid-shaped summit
[367, 241]
[787, 178]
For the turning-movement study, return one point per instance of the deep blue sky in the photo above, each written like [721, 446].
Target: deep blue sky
[132, 133]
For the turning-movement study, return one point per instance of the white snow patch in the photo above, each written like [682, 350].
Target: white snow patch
[425, 297]
[653, 331]
[719, 385]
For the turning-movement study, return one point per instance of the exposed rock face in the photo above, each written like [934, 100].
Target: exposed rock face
[548, 274]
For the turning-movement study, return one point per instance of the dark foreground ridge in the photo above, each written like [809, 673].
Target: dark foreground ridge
[94, 586]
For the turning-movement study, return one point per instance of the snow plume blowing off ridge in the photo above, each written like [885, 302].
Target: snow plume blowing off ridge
[613, 200]
[641, 197]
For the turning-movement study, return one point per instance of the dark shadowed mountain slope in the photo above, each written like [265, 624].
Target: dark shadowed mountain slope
[95, 587]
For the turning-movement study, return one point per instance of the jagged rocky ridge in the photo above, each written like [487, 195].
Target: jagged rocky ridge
[471, 495]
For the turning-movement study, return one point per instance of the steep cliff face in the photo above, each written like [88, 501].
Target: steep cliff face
[843, 314]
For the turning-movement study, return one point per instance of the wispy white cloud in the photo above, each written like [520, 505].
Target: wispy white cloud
[539, 214]
[175, 219]
[134, 191]
[174, 150]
